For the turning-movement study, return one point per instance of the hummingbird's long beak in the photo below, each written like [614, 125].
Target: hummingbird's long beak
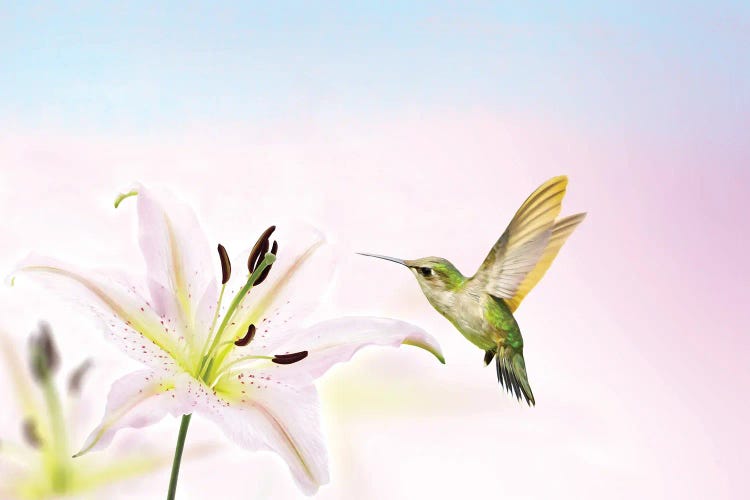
[384, 257]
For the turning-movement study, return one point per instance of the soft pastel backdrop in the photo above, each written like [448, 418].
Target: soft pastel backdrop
[416, 129]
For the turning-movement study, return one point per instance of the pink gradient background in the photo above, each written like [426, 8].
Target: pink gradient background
[636, 340]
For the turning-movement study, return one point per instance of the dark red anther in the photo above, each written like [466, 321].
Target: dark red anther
[226, 265]
[247, 338]
[288, 359]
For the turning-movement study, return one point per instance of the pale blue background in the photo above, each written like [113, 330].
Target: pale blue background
[595, 64]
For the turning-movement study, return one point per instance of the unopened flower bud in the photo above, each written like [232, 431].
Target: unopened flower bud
[45, 358]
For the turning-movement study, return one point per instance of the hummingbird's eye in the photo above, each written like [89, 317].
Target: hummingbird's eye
[425, 271]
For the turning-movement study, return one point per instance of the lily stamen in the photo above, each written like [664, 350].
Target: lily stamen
[279, 359]
[226, 272]
[226, 369]
[259, 264]
[208, 360]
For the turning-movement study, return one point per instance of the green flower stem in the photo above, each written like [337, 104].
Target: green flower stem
[58, 436]
[178, 456]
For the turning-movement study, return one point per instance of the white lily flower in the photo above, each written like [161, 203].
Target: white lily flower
[248, 366]
[39, 466]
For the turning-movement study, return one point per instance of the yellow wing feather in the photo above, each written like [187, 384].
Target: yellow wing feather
[524, 242]
[560, 232]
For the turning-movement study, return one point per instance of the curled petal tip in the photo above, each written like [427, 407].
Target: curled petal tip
[427, 346]
[87, 447]
[122, 196]
[89, 444]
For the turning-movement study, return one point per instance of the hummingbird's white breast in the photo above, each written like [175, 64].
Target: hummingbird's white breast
[465, 309]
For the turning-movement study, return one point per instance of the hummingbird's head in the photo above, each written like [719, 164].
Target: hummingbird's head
[435, 274]
[437, 277]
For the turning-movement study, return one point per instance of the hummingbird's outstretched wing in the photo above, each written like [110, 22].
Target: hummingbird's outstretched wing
[524, 243]
[560, 232]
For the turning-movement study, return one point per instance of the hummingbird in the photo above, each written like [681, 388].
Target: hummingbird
[481, 307]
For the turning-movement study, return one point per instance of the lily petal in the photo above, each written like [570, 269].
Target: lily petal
[140, 399]
[305, 264]
[130, 320]
[262, 412]
[337, 340]
[178, 262]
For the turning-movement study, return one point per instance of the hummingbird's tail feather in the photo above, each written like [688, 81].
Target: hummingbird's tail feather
[488, 355]
[511, 373]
